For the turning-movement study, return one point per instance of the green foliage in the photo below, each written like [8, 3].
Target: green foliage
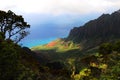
[105, 48]
[12, 66]
[117, 46]
[109, 70]
[8, 60]
[84, 72]
[25, 73]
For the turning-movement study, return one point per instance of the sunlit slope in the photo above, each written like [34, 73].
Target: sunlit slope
[58, 45]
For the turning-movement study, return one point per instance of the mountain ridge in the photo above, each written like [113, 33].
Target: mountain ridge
[93, 33]
[104, 28]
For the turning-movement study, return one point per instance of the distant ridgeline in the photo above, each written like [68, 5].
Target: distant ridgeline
[103, 29]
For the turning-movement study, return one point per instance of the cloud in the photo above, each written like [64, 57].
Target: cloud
[57, 7]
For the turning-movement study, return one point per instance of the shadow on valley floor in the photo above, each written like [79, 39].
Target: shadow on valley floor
[54, 55]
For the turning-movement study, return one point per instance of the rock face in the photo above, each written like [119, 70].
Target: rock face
[104, 28]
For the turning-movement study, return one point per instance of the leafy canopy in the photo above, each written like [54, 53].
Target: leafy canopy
[13, 26]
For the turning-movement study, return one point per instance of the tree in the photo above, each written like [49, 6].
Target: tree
[116, 46]
[105, 48]
[13, 26]
[15, 63]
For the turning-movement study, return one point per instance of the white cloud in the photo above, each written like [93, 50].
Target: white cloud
[59, 6]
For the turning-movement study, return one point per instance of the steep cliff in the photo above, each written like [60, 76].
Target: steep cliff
[104, 28]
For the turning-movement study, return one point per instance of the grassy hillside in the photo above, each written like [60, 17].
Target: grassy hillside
[59, 49]
[58, 45]
[95, 64]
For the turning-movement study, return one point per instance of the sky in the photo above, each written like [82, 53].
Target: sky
[50, 19]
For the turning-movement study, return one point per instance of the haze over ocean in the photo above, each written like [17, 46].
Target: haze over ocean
[53, 27]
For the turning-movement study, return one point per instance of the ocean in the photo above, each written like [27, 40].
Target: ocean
[35, 42]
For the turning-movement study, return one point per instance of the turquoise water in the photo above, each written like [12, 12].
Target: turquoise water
[35, 42]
